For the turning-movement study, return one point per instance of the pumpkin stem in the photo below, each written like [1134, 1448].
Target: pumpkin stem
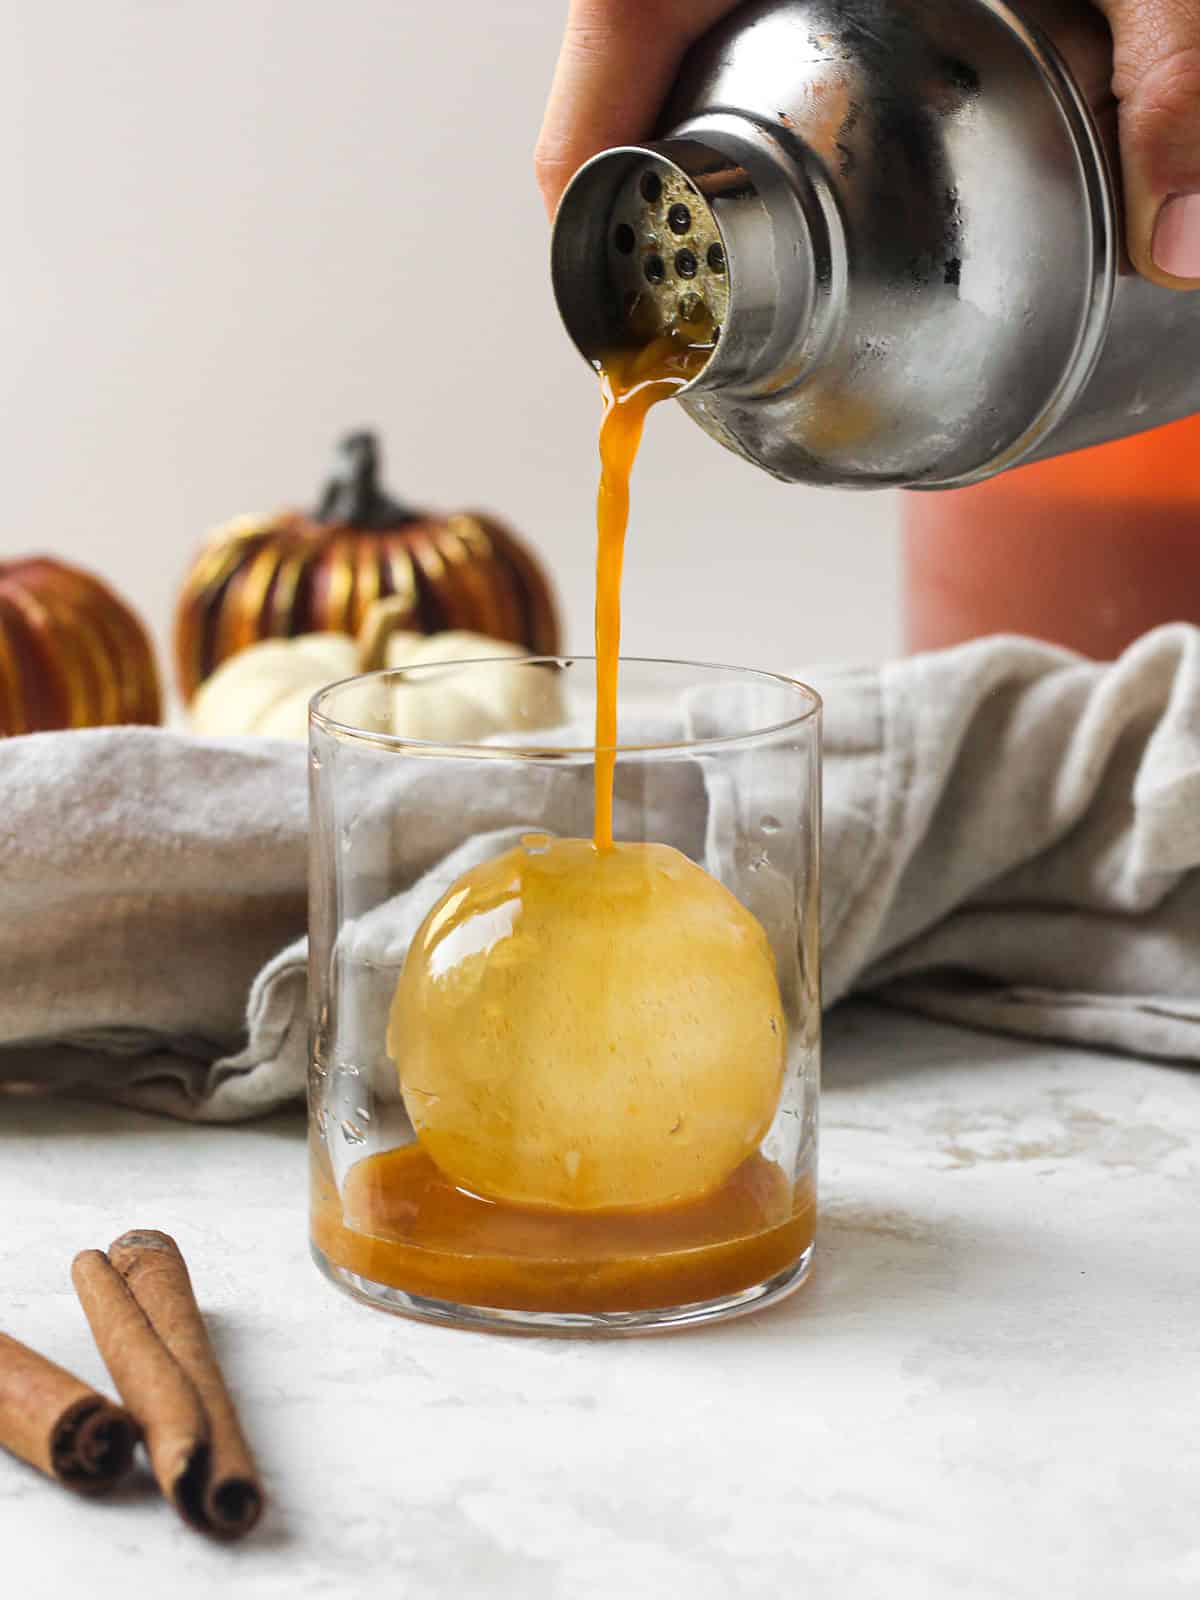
[383, 618]
[352, 494]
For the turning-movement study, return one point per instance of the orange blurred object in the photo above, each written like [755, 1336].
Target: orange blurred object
[72, 653]
[1088, 550]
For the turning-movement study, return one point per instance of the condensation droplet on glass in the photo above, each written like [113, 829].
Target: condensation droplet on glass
[770, 824]
[535, 844]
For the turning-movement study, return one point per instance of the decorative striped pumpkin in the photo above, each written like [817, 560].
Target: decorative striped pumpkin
[72, 655]
[298, 573]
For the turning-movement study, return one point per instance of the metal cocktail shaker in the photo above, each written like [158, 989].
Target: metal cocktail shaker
[904, 217]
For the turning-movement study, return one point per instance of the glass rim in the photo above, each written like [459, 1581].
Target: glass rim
[319, 718]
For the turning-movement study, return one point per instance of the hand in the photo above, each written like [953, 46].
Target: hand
[619, 58]
[1156, 79]
[617, 63]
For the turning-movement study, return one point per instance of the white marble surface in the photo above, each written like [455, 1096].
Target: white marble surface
[989, 1387]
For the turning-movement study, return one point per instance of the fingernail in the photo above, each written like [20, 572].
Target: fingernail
[1176, 243]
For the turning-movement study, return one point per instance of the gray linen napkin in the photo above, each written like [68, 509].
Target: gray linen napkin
[1012, 840]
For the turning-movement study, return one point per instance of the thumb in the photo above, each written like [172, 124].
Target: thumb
[1156, 79]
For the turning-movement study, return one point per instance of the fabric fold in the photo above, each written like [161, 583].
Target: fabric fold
[1011, 840]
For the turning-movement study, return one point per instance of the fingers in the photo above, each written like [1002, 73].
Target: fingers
[1156, 78]
[616, 66]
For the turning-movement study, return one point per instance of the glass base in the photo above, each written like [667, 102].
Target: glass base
[610, 1324]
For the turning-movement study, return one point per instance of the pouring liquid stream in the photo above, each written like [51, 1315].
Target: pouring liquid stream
[632, 381]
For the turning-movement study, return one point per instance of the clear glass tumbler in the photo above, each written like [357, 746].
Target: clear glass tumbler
[555, 1087]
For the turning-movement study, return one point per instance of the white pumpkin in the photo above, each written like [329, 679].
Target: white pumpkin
[506, 698]
[265, 689]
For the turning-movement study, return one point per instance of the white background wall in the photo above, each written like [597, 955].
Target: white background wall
[234, 228]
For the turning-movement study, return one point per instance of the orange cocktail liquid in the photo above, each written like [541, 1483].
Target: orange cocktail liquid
[399, 1221]
[631, 382]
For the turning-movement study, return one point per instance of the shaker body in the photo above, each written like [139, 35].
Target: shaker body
[919, 209]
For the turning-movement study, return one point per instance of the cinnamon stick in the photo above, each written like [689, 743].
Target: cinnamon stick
[150, 1381]
[58, 1424]
[148, 1327]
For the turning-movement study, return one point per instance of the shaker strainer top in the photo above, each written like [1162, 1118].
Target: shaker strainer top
[665, 255]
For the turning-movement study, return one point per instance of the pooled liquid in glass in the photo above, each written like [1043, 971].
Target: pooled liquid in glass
[591, 1040]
